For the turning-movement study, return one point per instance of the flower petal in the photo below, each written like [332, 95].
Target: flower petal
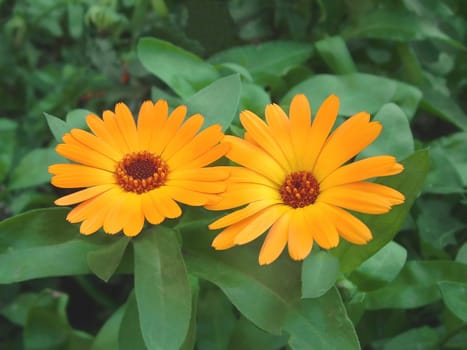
[275, 240]
[126, 124]
[300, 125]
[83, 195]
[300, 239]
[168, 131]
[183, 135]
[323, 230]
[77, 175]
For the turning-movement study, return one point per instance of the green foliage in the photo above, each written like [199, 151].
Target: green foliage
[404, 62]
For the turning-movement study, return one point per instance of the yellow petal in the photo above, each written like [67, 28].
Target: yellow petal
[349, 227]
[167, 133]
[300, 125]
[262, 221]
[135, 221]
[99, 128]
[110, 123]
[83, 195]
[96, 143]
[320, 129]
[206, 158]
[164, 203]
[202, 174]
[76, 175]
[346, 141]
[118, 213]
[300, 237]
[149, 209]
[146, 117]
[241, 214]
[362, 170]
[86, 156]
[275, 241]
[319, 223]
[202, 186]
[225, 239]
[126, 124]
[183, 135]
[259, 132]
[254, 158]
[279, 126]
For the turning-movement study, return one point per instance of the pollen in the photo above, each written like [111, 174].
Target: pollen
[141, 172]
[299, 189]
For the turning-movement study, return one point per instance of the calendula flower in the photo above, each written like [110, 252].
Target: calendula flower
[130, 172]
[296, 181]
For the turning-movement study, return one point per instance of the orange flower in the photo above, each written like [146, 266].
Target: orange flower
[296, 182]
[131, 172]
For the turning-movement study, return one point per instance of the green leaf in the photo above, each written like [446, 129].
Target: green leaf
[320, 271]
[247, 336]
[399, 26]
[321, 323]
[444, 107]
[57, 126]
[455, 297]
[190, 339]
[77, 119]
[454, 147]
[104, 261]
[215, 320]
[37, 159]
[107, 337]
[357, 92]
[381, 268]
[218, 102]
[416, 285]
[273, 304]
[396, 138]
[254, 98]
[162, 289]
[275, 57]
[184, 72]
[334, 52]
[41, 243]
[129, 335]
[75, 19]
[462, 254]
[423, 338]
[443, 177]
[385, 227]
[7, 146]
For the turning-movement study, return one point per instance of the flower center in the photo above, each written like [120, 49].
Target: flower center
[141, 172]
[299, 189]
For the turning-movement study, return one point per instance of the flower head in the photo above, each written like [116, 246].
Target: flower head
[130, 172]
[297, 182]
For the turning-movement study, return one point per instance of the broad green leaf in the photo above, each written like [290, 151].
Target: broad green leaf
[273, 304]
[320, 271]
[247, 336]
[104, 261]
[75, 19]
[385, 227]
[381, 268]
[399, 26]
[455, 297]
[17, 311]
[162, 289]
[321, 323]
[57, 126]
[41, 243]
[38, 159]
[444, 107]
[437, 223]
[215, 320]
[334, 52]
[416, 285]
[7, 145]
[423, 338]
[275, 57]
[357, 92]
[129, 335]
[454, 147]
[254, 98]
[107, 337]
[77, 119]
[190, 339]
[218, 102]
[443, 177]
[462, 254]
[184, 72]
[396, 138]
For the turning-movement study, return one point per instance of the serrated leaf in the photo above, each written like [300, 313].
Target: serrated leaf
[162, 289]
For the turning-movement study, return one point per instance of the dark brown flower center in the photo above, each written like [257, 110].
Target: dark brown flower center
[141, 172]
[299, 189]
